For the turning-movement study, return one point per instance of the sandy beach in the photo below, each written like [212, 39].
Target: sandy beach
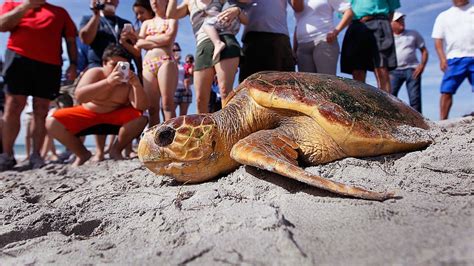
[121, 213]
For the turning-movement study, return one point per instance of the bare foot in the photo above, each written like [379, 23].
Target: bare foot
[217, 50]
[115, 154]
[80, 160]
[52, 157]
[98, 157]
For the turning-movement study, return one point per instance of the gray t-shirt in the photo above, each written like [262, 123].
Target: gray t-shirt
[267, 16]
[406, 44]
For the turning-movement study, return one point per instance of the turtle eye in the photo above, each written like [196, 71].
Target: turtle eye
[164, 136]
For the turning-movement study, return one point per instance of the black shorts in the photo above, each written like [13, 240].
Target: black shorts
[205, 49]
[264, 51]
[24, 76]
[367, 46]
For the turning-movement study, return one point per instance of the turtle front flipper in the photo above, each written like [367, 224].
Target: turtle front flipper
[275, 152]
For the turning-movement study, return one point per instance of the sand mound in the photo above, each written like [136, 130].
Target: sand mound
[120, 213]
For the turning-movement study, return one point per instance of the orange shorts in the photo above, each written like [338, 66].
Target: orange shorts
[78, 118]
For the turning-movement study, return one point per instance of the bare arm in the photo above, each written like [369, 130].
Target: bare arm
[10, 20]
[297, 5]
[141, 42]
[71, 72]
[137, 95]
[346, 19]
[421, 67]
[175, 11]
[443, 65]
[89, 31]
[243, 18]
[229, 14]
[167, 38]
[93, 85]
[424, 56]
[128, 41]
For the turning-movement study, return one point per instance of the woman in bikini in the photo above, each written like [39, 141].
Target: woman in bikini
[160, 72]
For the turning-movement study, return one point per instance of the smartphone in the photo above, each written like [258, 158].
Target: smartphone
[127, 27]
[124, 69]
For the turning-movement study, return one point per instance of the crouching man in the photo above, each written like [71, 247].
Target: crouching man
[104, 99]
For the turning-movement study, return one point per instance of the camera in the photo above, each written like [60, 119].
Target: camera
[124, 68]
[98, 5]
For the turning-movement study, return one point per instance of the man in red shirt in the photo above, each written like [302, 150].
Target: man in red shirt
[33, 67]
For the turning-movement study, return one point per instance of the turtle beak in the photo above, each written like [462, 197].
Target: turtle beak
[148, 150]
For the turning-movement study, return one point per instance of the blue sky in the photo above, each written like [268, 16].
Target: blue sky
[421, 15]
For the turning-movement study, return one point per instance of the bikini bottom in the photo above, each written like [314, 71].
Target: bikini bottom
[153, 64]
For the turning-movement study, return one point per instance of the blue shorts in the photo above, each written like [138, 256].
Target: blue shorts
[458, 69]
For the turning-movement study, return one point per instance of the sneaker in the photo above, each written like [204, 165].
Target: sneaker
[36, 161]
[6, 162]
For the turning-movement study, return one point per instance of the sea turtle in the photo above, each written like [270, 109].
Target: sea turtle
[279, 120]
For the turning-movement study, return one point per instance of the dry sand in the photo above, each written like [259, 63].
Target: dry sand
[120, 213]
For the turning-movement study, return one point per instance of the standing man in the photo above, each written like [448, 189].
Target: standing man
[368, 43]
[454, 28]
[102, 28]
[266, 41]
[409, 69]
[33, 67]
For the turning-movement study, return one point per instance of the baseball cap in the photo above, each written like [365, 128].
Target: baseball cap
[397, 15]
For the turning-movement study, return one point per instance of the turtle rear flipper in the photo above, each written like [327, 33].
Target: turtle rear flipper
[273, 151]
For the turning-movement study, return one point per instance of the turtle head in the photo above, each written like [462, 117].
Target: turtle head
[184, 148]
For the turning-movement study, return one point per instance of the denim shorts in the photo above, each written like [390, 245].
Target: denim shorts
[458, 69]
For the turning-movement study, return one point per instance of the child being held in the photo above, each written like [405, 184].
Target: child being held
[212, 25]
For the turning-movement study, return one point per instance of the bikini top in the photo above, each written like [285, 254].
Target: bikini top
[156, 29]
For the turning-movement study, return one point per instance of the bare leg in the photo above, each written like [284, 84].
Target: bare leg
[225, 71]
[216, 41]
[383, 79]
[359, 75]
[203, 82]
[167, 82]
[445, 103]
[73, 143]
[29, 134]
[126, 134]
[99, 148]
[40, 111]
[54, 155]
[111, 141]
[48, 146]
[183, 108]
[45, 148]
[150, 85]
[14, 105]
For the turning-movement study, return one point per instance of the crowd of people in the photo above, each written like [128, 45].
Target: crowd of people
[129, 75]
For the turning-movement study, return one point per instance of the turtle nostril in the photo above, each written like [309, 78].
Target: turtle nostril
[164, 136]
